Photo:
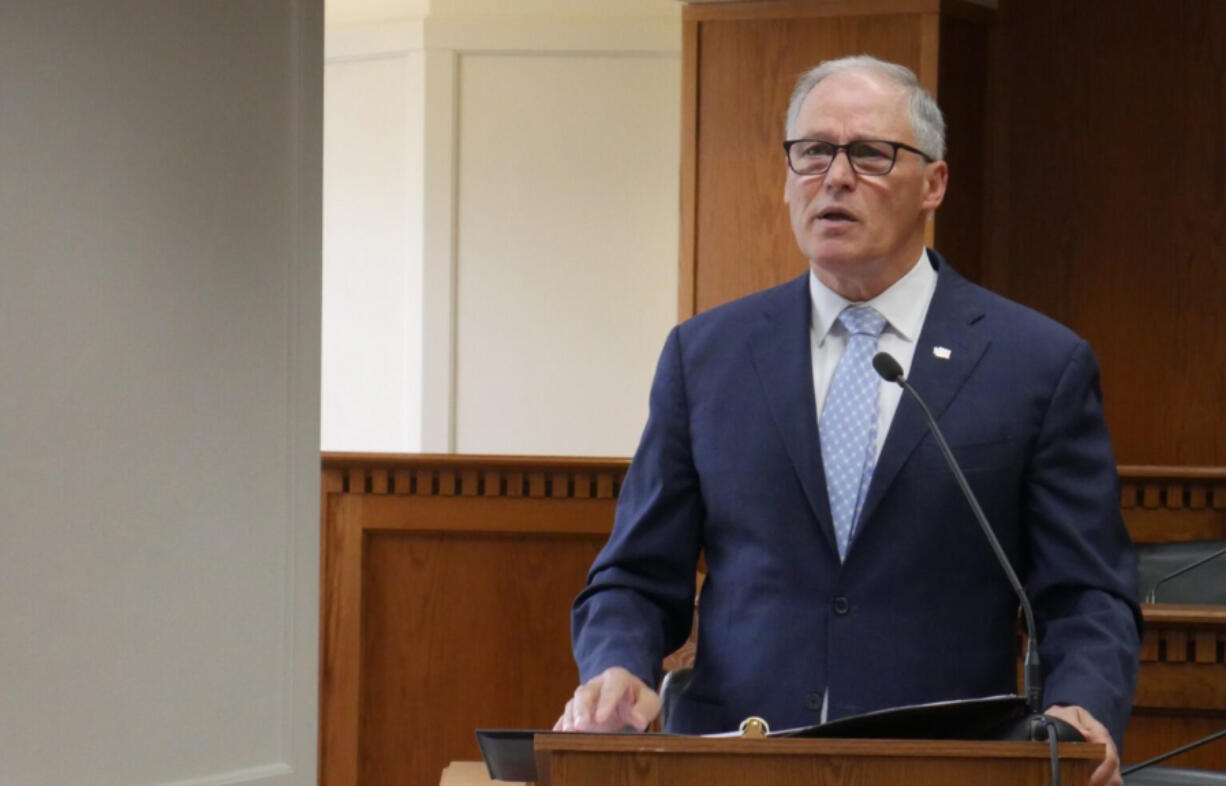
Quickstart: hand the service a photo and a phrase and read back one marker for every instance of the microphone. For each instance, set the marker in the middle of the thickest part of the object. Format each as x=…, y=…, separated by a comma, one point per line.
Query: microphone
x=888, y=369
x=1152, y=595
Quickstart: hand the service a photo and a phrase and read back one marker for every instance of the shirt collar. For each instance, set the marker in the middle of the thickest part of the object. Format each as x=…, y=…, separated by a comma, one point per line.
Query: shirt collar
x=903, y=304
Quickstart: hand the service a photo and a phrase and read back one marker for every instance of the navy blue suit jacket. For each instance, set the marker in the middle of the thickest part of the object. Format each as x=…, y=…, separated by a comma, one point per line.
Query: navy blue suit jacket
x=730, y=465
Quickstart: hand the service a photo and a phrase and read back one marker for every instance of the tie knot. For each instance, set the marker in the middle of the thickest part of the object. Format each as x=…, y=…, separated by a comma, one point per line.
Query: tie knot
x=862, y=320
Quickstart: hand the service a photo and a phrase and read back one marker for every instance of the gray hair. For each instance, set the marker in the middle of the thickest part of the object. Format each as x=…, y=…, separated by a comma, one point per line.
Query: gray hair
x=926, y=119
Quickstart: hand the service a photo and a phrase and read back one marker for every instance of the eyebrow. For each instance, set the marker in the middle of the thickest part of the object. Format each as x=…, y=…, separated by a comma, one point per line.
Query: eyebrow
x=857, y=138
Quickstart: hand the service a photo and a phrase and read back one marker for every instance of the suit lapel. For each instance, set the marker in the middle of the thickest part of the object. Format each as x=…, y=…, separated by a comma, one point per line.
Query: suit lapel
x=784, y=363
x=951, y=324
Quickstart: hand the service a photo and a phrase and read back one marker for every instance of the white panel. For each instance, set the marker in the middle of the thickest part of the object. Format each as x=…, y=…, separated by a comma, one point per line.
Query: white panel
x=373, y=41
x=588, y=35
x=159, y=231
x=567, y=248
x=347, y=12
x=372, y=352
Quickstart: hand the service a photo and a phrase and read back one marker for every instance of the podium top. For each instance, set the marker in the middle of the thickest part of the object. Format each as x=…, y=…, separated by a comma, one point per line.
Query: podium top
x=807, y=746
x=990, y=727
x=633, y=759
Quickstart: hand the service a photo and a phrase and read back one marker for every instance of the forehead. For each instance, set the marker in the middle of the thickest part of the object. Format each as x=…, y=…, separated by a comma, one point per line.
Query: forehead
x=854, y=105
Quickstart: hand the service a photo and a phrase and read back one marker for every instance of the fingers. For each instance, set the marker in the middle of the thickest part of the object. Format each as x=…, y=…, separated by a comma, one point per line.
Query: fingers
x=578, y=714
x=616, y=691
x=1108, y=771
x=563, y=719
x=645, y=709
x=580, y=711
x=610, y=701
x=583, y=704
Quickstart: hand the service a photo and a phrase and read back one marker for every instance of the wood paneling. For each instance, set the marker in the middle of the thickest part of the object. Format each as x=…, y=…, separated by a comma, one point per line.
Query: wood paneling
x=462, y=630
x=742, y=61
x=1162, y=504
x=1115, y=220
x=747, y=70
x=570, y=759
x=446, y=597
x=447, y=582
x=1100, y=198
x=802, y=9
x=689, y=167
x=1181, y=689
x=962, y=91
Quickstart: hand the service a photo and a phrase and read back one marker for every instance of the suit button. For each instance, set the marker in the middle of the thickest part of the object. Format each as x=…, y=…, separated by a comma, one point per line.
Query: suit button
x=841, y=606
x=813, y=701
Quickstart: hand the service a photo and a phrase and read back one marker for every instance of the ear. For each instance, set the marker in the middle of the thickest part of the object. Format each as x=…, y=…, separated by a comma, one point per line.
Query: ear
x=936, y=177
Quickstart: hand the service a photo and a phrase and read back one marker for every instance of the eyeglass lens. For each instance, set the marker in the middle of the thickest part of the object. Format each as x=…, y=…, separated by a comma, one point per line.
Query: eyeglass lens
x=816, y=156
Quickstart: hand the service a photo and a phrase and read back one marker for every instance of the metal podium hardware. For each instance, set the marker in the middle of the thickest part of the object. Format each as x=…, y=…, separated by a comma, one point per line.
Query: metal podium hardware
x=755, y=727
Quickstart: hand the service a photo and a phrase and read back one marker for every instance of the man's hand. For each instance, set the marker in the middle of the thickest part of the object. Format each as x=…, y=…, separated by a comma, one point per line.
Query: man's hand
x=1108, y=773
x=610, y=701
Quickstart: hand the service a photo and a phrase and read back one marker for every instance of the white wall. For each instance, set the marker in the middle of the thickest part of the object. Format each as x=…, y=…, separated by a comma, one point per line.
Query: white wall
x=372, y=303
x=159, y=318
x=546, y=287
x=356, y=12
x=566, y=273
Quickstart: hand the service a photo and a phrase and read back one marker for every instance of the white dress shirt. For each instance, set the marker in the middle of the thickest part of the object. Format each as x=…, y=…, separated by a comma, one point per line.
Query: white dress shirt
x=904, y=306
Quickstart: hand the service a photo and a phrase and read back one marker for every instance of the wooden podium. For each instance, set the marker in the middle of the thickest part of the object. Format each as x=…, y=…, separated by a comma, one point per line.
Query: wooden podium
x=630, y=759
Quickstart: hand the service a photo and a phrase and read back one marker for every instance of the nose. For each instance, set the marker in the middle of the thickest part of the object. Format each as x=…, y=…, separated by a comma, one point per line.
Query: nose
x=840, y=174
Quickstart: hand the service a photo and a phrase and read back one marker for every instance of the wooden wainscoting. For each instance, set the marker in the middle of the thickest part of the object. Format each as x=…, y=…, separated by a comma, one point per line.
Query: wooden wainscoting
x=1164, y=504
x=447, y=584
x=1181, y=690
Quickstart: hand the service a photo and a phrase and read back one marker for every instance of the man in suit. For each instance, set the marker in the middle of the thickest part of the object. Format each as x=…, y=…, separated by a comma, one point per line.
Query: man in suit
x=845, y=572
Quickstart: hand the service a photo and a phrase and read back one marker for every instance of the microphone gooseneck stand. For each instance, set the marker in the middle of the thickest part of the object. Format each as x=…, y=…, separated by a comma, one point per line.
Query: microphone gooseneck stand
x=1054, y=729
x=1217, y=735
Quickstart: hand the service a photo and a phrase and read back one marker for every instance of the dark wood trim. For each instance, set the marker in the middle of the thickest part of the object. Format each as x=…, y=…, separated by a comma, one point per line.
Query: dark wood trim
x=688, y=241
x=1146, y=472
x=469, y=461
x=1209, y=617
x=770, y=9
x=797, y=746
x=971, y=12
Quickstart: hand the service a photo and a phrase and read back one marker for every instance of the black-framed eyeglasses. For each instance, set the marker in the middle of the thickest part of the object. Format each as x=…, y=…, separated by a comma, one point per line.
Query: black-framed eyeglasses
x=866, y=156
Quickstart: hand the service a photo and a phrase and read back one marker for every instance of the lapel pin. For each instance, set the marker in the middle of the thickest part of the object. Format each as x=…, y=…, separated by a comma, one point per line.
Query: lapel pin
x=941, y=352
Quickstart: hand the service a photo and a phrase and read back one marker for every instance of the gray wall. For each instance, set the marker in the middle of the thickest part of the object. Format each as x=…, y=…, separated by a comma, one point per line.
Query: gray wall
x=159, y=390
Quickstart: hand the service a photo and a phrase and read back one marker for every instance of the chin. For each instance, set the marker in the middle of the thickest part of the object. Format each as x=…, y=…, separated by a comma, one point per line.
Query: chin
x=839, y=261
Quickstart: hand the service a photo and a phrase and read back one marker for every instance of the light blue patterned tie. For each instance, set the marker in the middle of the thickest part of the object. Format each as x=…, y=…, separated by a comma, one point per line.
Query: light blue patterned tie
x=848, y=425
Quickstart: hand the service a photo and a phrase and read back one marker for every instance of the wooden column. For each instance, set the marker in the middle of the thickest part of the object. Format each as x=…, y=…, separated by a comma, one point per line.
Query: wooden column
x=740, y=62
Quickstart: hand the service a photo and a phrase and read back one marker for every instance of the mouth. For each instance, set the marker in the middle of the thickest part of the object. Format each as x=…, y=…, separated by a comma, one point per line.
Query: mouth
x=835, y=215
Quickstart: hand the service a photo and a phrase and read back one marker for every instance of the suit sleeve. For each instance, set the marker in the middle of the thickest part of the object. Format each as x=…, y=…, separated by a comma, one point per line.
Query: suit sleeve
x=1081, y=573
x=638, y=604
